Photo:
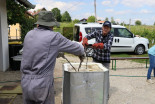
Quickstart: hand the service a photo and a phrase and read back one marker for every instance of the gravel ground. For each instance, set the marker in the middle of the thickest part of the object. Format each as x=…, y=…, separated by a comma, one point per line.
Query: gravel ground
x=123, y=90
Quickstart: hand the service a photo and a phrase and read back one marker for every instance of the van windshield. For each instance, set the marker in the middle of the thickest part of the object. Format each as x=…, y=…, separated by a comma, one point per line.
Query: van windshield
x=92, y=29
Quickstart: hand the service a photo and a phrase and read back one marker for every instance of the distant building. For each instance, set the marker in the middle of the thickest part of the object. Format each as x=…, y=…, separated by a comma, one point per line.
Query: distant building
x=33, y=13
x=100, y=21
x=14, y=31
x=83, y=20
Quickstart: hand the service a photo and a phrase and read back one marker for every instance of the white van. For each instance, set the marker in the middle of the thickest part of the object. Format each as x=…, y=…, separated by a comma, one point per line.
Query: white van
x=124, y=40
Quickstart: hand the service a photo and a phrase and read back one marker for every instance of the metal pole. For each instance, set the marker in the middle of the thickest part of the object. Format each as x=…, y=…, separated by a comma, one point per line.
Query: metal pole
x=95, y=10
x=16, y=34
x=146, y=63
x=115, y=65
x=112, y=65
x=9, y=30
x=129, y=23
x=69, y=63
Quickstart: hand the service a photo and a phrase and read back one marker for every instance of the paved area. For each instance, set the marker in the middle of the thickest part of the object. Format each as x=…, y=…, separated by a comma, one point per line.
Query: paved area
x=123, y=90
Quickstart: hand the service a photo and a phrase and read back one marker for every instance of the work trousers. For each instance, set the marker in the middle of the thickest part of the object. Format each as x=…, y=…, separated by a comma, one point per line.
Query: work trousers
x=37, y=90
x=152, y=66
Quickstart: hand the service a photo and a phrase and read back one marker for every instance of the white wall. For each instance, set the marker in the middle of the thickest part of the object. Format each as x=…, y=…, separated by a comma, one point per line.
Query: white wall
x=4, y=51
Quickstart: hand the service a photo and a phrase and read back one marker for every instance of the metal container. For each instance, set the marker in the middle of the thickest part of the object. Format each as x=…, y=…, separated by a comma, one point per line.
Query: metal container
x=86, y=87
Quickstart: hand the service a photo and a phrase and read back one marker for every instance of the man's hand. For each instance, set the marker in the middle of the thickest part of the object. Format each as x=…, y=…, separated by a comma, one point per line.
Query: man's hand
x=98, y=45
x=61, y=54
x=85, y=42
x=82, y=57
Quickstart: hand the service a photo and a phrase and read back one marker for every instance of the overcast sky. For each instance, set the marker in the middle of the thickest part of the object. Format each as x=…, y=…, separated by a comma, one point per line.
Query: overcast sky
x=121, y=10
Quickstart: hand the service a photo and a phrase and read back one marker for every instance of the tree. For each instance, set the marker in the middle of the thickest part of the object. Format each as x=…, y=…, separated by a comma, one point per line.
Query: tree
x=76, y=21
x=117, y=23
x=66, y=17
x=154, y=23
x=122, y=24
x=15, y=12
x=57, y=14
x=106, y=19
x=112, y=20
x=138, y=22
x=91, y=19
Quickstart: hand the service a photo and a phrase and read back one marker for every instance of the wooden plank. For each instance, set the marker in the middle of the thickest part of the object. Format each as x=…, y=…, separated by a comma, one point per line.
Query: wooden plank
x=11, y=89
x=7, y=98
x=128, y=58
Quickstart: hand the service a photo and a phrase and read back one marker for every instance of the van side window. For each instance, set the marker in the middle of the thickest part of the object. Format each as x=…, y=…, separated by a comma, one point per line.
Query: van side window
x=92, y=29
x=123, y=32
x=88, y=30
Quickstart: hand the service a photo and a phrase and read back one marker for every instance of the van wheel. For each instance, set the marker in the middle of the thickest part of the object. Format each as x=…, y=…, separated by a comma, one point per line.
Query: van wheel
x=89, y=52
x=139, y=50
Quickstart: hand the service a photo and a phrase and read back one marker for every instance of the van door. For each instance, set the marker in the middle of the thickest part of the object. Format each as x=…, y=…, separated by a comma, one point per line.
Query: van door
x=76, y=33
x=123, y=40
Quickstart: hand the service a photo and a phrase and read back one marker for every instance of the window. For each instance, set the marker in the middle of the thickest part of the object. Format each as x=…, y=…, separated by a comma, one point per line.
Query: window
x=92, y=29
x=123, y=32
x=88, y=30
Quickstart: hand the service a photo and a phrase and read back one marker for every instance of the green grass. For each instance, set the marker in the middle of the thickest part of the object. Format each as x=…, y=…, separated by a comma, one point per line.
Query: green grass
x=63, y=24
x=131, y=55
x=120, y=55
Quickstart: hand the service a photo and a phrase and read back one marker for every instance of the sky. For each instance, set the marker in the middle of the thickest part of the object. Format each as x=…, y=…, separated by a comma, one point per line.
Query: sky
x=121, y=10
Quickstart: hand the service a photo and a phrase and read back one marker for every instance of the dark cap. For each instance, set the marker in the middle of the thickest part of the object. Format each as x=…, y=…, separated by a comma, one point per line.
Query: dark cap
x=107, y=23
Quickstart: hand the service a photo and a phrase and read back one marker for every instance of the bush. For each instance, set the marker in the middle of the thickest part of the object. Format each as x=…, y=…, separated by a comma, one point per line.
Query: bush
x=76, y=21
x=91, y=19
x=138, y=22
x=26, y=25
x=68, y=32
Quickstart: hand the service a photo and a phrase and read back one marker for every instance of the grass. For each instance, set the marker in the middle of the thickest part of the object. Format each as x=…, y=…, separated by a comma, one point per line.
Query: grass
x=123, y=55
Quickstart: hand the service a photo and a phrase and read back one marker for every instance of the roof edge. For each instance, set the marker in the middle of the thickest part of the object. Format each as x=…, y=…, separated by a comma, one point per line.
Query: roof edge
x=26, y=3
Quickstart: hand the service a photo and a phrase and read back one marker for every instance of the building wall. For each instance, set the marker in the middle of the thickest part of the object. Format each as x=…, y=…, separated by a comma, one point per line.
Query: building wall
x=4, y=51
x=14, y=30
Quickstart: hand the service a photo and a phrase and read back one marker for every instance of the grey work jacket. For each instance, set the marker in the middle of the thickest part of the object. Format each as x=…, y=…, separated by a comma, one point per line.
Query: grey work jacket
x=41, y=48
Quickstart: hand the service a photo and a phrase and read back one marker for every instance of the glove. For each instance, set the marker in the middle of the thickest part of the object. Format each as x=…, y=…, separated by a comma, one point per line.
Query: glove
x=98, y=45
x=61, y=54
x=82, y=57
x=85, y=42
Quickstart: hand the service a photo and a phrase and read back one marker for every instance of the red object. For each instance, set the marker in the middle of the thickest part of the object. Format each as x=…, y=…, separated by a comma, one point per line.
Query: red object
x=85, y=41
x=98, y=45
x=80, y=36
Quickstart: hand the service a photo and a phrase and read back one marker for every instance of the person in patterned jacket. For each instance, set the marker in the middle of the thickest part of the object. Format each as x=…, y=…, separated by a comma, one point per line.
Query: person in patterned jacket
x=102, y=47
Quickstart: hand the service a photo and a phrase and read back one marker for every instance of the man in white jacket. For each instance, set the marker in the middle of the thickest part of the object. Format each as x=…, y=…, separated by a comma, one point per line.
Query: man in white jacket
x=41, y=48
